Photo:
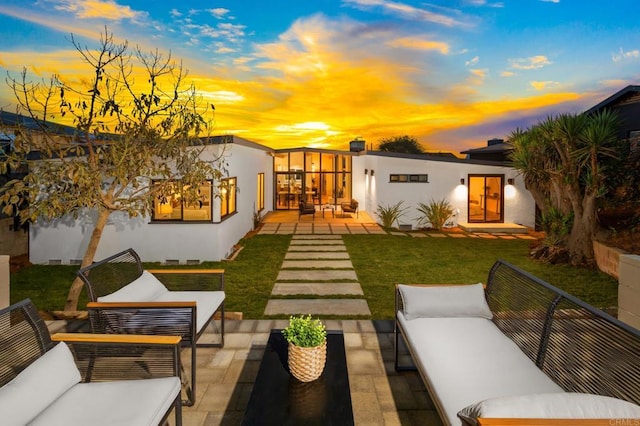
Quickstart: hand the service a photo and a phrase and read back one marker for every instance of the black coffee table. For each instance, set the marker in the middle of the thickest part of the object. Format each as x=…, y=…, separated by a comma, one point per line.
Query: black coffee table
x=278, y=398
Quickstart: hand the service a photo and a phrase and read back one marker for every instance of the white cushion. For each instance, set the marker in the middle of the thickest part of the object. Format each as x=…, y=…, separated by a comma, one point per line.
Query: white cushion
x=145, y=288
x=207, y=302
x=118, y=403
x=467, y=360
x=37, y=386
x=444, y=301
x=551, y=406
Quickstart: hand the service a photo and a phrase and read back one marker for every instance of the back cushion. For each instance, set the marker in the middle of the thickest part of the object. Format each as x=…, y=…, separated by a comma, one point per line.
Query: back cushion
x=37, y=386
x=146, y=288
x=444, y=301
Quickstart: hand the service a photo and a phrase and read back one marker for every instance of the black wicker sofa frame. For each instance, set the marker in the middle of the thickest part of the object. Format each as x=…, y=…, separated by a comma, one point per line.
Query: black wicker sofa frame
x=177, y=314
x=580, y=348
x=80, y=378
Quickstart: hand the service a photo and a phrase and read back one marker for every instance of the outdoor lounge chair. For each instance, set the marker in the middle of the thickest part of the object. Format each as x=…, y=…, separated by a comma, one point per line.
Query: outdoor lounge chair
x=125, y=299
x=304, y=208
x=84, y=379
x=350, y=207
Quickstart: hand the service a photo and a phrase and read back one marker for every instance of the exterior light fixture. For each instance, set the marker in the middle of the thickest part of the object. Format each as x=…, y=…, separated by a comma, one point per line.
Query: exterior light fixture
x=366, y=172
x=461, y=181
x=371, y=172
x=510, y=181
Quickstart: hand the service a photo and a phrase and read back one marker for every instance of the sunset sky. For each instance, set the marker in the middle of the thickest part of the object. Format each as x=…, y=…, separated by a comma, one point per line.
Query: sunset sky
x=314, y=73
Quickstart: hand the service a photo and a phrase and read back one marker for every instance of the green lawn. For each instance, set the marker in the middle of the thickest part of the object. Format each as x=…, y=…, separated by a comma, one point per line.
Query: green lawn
x=380, y=261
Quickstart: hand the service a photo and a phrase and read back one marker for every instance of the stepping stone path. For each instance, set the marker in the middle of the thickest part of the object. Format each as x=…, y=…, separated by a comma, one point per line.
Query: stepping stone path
x=316, y=266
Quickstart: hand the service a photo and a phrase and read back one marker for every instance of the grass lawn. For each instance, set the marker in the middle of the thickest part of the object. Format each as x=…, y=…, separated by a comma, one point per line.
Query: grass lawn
x=380, y=262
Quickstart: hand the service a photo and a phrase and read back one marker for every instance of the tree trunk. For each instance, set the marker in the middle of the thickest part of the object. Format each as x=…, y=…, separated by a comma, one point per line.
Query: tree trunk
x=580, y=243
x=89, y=254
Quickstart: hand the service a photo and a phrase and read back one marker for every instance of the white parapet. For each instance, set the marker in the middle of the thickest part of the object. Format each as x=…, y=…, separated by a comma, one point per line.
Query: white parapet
x=4, y=281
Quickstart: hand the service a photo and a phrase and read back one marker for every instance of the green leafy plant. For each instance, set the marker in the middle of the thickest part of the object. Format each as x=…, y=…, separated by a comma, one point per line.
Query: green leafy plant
x=434, y=214
x=556, y=225
x=390, y=214
x=304, y=331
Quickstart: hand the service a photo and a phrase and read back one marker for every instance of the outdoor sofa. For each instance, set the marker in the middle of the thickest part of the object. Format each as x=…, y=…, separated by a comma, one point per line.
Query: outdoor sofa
x=126, y=299
x=517, y=348
x=84, y=379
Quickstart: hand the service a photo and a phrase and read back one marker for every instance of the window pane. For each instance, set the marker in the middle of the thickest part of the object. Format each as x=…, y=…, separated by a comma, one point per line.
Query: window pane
x=200, y=209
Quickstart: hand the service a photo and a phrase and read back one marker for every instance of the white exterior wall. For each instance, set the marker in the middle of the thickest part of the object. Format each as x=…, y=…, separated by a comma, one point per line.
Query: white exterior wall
x=66, y=240
x=444, y=183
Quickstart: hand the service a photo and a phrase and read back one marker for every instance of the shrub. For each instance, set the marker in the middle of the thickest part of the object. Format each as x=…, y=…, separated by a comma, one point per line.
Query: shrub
x=435, y=214
x=390, y=214
x=305, y=332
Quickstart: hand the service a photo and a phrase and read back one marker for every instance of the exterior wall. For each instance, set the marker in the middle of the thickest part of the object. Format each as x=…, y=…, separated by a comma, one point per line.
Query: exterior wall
x=66, y=240
x=444, y=183
x=12, y=243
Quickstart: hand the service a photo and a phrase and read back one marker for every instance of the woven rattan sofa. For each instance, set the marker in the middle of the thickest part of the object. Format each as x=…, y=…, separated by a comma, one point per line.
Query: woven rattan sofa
x=84, y=379
x=126, y=299
x=517, y=348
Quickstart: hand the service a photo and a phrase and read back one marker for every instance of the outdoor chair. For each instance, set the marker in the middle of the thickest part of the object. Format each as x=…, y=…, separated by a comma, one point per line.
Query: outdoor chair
x=84, y=379
x=126, y=299
x=305, y=208
x=350, y=207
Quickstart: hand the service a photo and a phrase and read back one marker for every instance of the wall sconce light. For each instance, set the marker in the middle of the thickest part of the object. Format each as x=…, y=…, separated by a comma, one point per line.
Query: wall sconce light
x=371, y=172
x=510, y=181
x=461, y=181
x=366, y=172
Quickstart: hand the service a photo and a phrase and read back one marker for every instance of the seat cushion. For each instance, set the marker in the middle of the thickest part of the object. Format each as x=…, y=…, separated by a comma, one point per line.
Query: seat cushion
x=566, y=405
x=143, y=289
x=124, y=402
x=37, y=386
x=207, y=303
x=467, y=360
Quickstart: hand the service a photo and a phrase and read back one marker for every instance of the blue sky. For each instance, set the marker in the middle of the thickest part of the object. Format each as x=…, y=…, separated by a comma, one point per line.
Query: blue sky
x=319, y=73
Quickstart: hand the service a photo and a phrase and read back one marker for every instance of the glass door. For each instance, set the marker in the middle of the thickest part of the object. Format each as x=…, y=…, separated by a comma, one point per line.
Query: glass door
x=486, y=198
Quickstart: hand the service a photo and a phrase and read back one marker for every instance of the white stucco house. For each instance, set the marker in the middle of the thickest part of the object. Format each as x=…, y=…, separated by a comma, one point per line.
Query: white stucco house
x=261, y=179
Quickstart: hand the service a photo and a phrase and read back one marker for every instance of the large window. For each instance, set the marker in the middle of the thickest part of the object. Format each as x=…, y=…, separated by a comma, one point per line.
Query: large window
x=174, y=207
x=228, y=191
x=260, y=193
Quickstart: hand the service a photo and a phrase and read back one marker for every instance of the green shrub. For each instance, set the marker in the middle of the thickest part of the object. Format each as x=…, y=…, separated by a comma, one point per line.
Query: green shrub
x=305, y=332
x=556, y=225
x=390, y=214
x=434, y=214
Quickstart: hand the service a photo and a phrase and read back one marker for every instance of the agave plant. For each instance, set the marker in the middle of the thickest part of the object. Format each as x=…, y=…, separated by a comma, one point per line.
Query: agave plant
x=434, y=214
x=390, y=214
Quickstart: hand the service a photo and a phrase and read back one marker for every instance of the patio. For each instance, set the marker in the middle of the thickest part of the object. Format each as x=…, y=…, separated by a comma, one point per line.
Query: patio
x=380, y=395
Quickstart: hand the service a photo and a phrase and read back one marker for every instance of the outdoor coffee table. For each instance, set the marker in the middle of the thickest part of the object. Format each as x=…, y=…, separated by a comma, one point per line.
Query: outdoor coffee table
x=278, y=398
x=329, y=207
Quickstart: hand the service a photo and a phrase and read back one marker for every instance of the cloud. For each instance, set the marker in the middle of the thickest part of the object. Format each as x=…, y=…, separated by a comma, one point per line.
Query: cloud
x=531, y=63
x=409, y=12
x=472, y=62
x=98, y=9
x=622, y=55
x=419, y=44
x=219, y=12
x=485, y=3
x=542, y=85
x=507, y=74
x=550, y=1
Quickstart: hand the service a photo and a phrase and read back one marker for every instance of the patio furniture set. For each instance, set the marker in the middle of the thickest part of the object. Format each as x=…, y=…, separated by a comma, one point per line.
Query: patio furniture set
x=519, y=348
x=346, y=208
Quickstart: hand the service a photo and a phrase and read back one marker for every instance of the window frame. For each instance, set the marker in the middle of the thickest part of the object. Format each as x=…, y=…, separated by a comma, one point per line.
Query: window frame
x=156, y=215
x=225, y=200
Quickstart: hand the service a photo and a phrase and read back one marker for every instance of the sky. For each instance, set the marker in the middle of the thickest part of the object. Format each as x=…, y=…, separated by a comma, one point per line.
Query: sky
x=320, y=73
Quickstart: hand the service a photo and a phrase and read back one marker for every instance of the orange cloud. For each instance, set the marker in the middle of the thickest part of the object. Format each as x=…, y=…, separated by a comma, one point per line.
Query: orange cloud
x=420, y=44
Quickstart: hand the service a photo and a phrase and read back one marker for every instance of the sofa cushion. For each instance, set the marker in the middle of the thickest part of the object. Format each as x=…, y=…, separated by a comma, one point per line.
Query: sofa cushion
x=145, y=288
x=466, y=360
x=37, y=386
x=551, y=406
x=444, y=301
x=207, y=302
x=118, y=403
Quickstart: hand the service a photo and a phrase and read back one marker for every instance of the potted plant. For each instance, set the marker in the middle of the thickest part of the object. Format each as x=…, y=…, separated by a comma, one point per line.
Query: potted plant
x=307, y=339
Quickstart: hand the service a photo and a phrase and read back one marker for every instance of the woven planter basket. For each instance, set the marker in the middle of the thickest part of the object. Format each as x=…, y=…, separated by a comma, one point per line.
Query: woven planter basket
x=307, y=364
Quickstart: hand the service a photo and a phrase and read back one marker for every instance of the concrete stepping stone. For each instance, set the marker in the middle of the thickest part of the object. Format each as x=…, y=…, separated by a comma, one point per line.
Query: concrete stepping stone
x=311, y=248
x=326, y=264
x=317, y=307
x=315, y=241
x=316, y=289
x=316, y=237
x=316, y=275
x=316, y=255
